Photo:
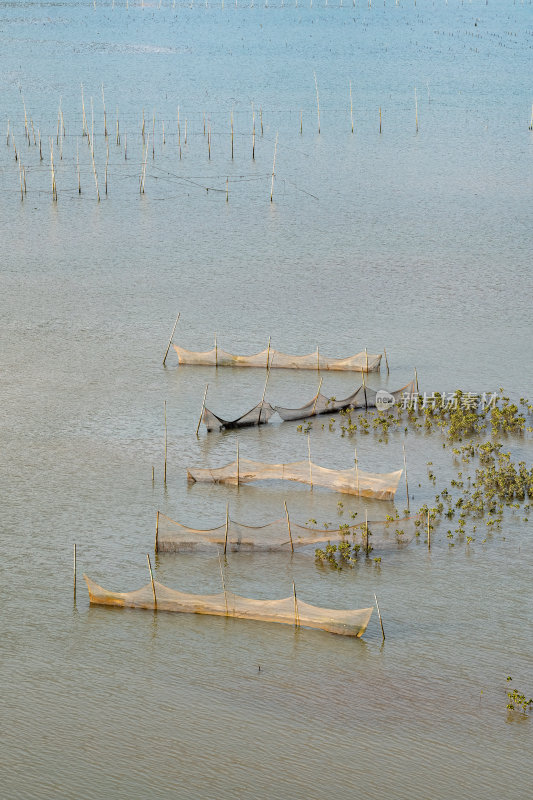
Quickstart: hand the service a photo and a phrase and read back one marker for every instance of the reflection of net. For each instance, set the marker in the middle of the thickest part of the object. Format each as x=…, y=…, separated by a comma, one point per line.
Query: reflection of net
x=258, y=415
x=382, y=486
x=363, y=397
x=172, y=537
x=361, y=362
x=226, y=604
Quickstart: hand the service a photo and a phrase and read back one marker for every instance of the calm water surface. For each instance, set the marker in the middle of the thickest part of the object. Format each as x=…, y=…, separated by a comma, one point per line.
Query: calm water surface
x=420, y=243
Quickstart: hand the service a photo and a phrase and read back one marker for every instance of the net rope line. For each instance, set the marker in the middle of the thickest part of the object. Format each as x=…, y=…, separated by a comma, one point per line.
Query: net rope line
x=260, y=414
x=174, y=537
x=346, y=622
x=269, y=357
x=381, y=486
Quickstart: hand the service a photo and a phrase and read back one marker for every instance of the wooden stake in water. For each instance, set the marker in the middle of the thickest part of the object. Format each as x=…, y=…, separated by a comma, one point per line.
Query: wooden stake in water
x=309, y=458
x=356, y=470
x=379, y=615
x=289, y=527
x=317, y=394
x=317, y=102
x=268, y=355
x=364, y=390
x=227, y=190
x=156, y=528
x=405, y=472
x=416, y=380
x=366, y=532
x=301, y=122
x=351, y=105
x=171, y=337
x=429, y=533
x=165, y=472
x=261, y=118
x=253, y=133
x=237, y=462
x=203, y=409
x=105, y=115
x=227, y=529
x=380, y=119
x=273, y=168
x=386, y=360
x=223, y=582
x=232, y=135
x=416, y=111
x=216, y=351
x=74, y=571
x=78, y=165
x=296, y=615
x=152, y=579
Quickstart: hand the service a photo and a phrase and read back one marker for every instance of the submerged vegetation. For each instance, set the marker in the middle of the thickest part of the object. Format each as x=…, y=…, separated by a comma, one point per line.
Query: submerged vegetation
x=486, y=481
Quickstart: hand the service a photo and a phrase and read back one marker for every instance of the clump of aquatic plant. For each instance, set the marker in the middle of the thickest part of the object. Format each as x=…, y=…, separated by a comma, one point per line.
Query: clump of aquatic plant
x=517, y=700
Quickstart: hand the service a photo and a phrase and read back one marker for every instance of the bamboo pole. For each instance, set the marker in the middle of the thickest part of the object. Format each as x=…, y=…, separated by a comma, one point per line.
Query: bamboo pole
x=171, y=337
x=152, y=580
x=429, y=533
x=366, y=531
x=261, y=118
x=74, y=571
x=317, y=102
x=165, y=472
x=156, y=531
x=416, y=111
x=227, y=528
x=216, y=351
x=379, y=615
x=309, y=457
x=405, y=472
x=416, y=380
x=366, y=354
x=356, y=470
x=317, y=359
x=268, y=354
x=380, y=119
x=386, y=360
x=296, y=615
x=237, y=462
x=232, y=135
x=78, y=165
x=316, y=396
x=202, y=411
x=153, y=473
x=301, y=122
x=289, y=527
x=253, y=133
x=7, y=139
x=364, y=390
x=264, y=392
x=227, y=190
x=273, y=168
x=351, y=105
x=223, y=582
x=105, y=115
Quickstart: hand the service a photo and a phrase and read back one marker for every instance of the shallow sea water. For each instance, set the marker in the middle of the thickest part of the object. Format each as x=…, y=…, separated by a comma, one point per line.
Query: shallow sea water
x=419, y=243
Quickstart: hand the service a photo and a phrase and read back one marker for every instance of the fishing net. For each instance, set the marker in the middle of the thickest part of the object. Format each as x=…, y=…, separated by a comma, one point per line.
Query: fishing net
x=363, y=397
x=381, y=486
x=281, y=535
x=361, y=362
x=289, y=610
x=258, y=415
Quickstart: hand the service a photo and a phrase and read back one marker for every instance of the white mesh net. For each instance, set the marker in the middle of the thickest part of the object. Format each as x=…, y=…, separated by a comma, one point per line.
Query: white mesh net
x=381, y=486
x=360, y=362
x=363, y=397
x=281, y=535
x=289, y=610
